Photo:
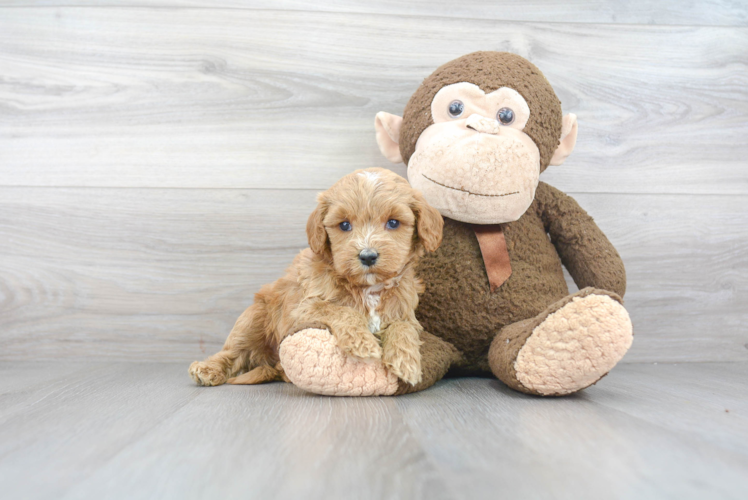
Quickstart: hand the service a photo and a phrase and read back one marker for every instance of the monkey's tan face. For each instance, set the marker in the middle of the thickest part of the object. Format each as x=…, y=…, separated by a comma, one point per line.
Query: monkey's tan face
x=475, y=164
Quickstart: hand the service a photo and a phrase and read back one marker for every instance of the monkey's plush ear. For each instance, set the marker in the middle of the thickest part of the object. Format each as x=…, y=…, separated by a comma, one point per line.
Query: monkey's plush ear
x=388, y=135
x=568, y=139
x=429, y=223
x=315, y=228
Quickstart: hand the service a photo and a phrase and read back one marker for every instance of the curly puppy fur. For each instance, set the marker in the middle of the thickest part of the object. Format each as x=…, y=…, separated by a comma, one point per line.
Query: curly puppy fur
x=329, y=286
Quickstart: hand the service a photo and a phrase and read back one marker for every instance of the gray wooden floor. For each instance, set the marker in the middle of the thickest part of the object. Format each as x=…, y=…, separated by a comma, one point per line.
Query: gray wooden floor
x=127, y=430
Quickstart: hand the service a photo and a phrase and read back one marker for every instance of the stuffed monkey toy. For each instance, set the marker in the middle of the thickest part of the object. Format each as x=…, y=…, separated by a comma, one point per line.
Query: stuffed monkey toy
x=475, y=137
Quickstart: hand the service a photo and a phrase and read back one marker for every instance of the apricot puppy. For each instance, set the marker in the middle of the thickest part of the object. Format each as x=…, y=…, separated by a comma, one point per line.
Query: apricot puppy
x=356, y=280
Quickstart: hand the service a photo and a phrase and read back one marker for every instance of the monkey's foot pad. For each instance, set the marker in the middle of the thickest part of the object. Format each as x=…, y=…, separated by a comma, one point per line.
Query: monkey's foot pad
x=575, y=346
x=312, y=360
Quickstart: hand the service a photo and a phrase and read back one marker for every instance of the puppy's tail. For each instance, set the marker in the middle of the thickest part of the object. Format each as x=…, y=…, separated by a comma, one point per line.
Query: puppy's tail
x=261, y=375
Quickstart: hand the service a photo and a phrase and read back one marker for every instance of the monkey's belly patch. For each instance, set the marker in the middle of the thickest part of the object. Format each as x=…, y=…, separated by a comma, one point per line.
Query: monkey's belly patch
x=575, y=346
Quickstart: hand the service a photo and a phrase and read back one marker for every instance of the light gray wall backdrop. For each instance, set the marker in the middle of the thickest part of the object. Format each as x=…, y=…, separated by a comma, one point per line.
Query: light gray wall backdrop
x=158, y=160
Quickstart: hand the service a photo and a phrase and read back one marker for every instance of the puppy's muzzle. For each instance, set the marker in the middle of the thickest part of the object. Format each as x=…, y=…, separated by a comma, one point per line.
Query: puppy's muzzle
x=368, y=257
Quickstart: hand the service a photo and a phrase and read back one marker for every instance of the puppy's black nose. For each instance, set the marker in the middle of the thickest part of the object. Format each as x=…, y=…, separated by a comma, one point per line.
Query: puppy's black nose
x=368, y=257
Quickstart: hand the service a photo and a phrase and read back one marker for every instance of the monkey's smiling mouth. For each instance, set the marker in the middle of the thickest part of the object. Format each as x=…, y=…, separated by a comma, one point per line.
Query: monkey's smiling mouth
x=466, y=191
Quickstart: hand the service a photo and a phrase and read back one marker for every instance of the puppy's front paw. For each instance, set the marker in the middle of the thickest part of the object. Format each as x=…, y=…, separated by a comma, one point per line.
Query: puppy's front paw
x=204, y=373
x=405, y=363
x=361, y=344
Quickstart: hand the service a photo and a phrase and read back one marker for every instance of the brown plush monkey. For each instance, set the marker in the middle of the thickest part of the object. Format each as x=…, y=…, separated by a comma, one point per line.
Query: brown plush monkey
x=476, y=135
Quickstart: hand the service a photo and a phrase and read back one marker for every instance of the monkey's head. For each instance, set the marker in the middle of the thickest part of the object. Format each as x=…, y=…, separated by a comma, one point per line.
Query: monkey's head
x=476, y=135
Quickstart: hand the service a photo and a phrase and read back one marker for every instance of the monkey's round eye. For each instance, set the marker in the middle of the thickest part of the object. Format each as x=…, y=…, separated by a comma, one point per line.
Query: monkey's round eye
x=505, y=116
x=455, y=108
x=345, y=226
x=393, y=224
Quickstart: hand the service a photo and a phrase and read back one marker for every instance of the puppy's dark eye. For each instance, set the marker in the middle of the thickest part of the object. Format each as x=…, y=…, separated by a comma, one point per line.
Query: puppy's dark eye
x=505, y=116
x=393, y=224
x=455, y=108
x=345, y=226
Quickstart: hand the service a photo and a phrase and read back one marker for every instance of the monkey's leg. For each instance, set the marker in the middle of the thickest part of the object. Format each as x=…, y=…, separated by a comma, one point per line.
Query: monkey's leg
x=312, y=361
x=568, y=347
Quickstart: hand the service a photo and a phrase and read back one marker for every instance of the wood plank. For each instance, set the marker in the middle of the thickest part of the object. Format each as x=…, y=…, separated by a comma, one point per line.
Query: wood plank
x=26, y=383
x=142, y=430
x=667, y=12
x=271, y=441
x=157, y=274
x=487, y=438
x=149, y=268
x=19, y=376
x=702, y=400
x=71, y=427
x=127, y=97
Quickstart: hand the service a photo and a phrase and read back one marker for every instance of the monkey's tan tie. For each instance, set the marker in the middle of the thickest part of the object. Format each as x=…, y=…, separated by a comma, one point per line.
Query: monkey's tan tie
x=495, y=255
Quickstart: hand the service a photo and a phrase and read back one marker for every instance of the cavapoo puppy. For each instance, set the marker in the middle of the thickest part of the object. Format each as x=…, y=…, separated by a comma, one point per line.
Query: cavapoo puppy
x=357, y=280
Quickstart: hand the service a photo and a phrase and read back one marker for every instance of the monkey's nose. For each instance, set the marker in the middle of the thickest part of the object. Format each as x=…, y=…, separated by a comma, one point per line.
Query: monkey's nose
x=482, y=124
x=368, y=256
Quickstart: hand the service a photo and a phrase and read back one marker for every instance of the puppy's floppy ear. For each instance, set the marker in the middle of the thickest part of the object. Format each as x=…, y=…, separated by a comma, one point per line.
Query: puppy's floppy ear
x=429, y=223
x=315, y=227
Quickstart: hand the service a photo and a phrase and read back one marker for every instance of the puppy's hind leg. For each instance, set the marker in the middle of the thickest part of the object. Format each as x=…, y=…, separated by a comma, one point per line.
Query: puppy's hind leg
x=236, y=353
x=260, y=375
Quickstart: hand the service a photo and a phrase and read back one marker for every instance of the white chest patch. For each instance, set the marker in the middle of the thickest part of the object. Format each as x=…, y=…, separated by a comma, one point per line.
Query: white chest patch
x=373, y=297
x=375, y=323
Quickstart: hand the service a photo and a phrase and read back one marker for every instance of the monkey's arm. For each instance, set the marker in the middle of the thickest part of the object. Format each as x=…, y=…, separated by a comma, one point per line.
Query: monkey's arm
x=585, y=251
